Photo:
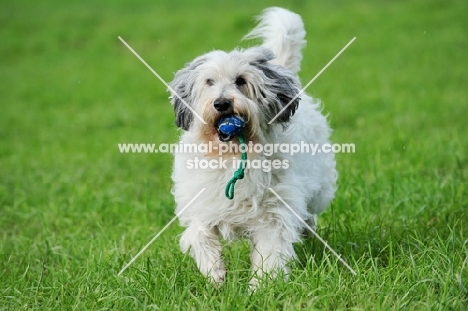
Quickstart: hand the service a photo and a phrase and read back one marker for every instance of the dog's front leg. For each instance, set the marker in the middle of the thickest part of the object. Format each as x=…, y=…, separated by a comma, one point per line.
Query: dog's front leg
x=204, y=246
x=272, y=249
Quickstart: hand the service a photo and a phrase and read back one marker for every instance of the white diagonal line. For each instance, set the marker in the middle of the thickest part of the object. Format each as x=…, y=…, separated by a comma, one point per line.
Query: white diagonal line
x=162, y=80
x=159, y=233
x=315, y=233
x=313, y=79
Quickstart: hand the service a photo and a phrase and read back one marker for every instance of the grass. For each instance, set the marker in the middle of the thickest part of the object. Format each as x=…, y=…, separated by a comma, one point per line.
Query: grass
x=73, y=210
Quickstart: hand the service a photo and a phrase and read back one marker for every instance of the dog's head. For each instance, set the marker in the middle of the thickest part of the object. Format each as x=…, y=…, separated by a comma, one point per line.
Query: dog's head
x=243, y=83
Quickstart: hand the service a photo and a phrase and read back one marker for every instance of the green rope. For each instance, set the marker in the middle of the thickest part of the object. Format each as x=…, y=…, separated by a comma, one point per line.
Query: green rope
x=239, y=173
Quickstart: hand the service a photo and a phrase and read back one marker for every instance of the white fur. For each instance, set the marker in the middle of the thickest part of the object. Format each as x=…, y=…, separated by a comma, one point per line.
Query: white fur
x=283, y=32
x=308, y=185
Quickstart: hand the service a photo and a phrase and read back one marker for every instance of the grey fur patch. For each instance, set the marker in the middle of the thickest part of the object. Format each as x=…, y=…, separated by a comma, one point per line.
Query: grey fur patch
x=183, y=84
x=282, y=84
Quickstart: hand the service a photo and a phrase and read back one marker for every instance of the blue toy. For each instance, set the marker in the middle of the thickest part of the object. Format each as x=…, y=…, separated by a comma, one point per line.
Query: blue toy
x=230, y=126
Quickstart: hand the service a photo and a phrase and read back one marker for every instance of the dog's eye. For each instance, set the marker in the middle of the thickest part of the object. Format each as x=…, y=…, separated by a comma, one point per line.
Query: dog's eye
x=240, y=81
x=209, y=82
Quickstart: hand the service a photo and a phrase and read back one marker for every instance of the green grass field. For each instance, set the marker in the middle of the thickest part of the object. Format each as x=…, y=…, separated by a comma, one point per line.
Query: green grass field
x=73, y=210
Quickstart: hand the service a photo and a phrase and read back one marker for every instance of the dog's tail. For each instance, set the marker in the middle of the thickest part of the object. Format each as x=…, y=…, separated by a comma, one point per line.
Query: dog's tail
x=283, y=32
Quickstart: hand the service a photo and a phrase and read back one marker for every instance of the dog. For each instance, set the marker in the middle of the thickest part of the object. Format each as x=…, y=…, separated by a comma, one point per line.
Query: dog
x=260, y=84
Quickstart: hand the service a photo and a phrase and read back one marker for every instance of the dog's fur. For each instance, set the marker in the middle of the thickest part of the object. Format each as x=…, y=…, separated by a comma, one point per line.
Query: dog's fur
x=268, y=83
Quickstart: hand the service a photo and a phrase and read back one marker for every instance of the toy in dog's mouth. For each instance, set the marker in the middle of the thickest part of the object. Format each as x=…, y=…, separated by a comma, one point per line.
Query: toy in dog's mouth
x=229, y=126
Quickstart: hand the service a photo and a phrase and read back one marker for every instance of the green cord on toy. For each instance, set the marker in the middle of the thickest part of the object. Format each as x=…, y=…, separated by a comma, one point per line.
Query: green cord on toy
x=228, y=127
x=239, y=173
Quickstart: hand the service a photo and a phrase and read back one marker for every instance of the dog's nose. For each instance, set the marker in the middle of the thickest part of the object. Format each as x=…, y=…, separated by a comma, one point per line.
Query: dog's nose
x=222, y=104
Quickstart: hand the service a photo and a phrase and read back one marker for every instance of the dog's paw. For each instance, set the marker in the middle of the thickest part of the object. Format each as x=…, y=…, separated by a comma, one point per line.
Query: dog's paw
x=217, y=275
x=259, y=277
x=253, y=284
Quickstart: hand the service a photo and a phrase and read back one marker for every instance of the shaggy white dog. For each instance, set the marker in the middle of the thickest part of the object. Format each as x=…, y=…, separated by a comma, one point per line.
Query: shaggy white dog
x=258, y=84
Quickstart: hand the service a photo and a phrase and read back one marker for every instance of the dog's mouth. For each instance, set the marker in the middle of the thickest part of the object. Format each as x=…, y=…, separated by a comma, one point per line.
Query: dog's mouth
x=228, y=126
x=224, y=137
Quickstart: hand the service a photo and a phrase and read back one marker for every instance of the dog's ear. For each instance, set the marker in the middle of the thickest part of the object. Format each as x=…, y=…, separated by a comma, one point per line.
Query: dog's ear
x=282, y=85
x=181, y=89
